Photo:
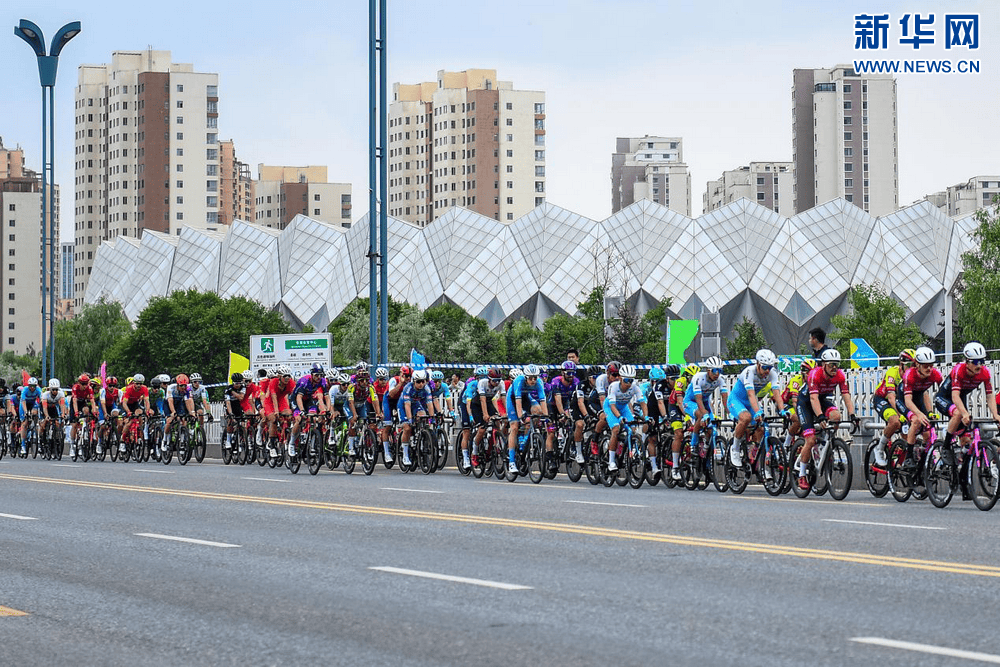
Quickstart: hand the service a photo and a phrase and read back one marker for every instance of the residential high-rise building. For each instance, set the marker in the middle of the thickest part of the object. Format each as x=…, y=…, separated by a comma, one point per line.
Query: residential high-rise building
x=769, y=184
x=236, y=186
x=65, y=270
x=844, y=139
x=147, y=152
x=281, y=193
x=465, y=140
x=958, y=200
x=650, y=168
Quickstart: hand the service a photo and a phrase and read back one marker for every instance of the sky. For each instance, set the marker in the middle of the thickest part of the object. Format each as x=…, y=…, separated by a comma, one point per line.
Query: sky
x=293, y=79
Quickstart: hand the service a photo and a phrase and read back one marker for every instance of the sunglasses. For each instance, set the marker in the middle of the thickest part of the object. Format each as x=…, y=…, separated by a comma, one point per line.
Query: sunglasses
x=420, y=382
x=975, y=362
x=494, y=381
x=766, y=367
x=626, y=380
x=287, y=377
x=716, y=370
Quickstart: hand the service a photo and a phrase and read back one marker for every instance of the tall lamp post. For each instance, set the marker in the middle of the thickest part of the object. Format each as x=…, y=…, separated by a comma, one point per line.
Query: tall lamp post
x=378, y=169
x=47, y=65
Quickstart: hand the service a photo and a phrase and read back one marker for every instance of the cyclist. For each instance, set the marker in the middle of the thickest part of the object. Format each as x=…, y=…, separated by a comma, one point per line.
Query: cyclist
x=235, y=396
x=414, y=399
x=439, y=392
x=658, y=391
x=566, y=402
x=745, y=402
x=916, y=399
x=4, y=393
x=53, y=404
x=81, y=405
x=484, y=401
x=468, y=400
x=135, y=400
x=309, y=396
x=617, y=410
x=199, y=396
x=179, y=401
x=698, y=397
x=953, y=394
x=675, y=414
x=390, y=401
x=816, y=404
x=275, y=402
x=884, y=403
x=525, y=397
x=14, y=408
x=31, y=396
x=381, y=385
x=792, y=389
x=108, y=406
x=360, y=397
x=339, y=406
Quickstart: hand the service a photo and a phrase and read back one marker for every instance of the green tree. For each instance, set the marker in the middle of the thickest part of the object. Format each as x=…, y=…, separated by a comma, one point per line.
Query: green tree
x=11, y=365
x=747, y=339
x=520, y=343
x=87, y=340
x=978, y=290
x=879, y=319
x=193, y=331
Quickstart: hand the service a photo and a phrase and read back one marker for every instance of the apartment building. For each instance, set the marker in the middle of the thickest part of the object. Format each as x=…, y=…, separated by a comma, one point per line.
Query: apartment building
x=466, y=140
x=769, y=184
x=844, y=139
x=146, y=152
x=650, y=168
x=236, y=186
x=281, y=193
x=976, y=193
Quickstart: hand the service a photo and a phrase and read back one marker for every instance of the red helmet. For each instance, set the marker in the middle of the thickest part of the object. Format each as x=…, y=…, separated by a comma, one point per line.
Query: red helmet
x=494, y=374
x=182, y=379
x=613, y=368
x=405, y=370
x=84, y=379
x=112, y=381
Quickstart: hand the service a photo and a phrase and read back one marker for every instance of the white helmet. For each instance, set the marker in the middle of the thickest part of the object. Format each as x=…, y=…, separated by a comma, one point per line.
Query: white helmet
x=138, y=378
x=195, y=377
x=164, y=378
x=925, y=355
x=32, y=382
x=247, y=376
x=627, y=371
x=420, y=375
x=284, y=369
x=515, y=372
x=53, y=383
x=343, y=377
x=766, y=358
x=332, y=374
x=831, y=355
x=974, y=351
x=712, y=362
x=381, y=373
x=532, y=371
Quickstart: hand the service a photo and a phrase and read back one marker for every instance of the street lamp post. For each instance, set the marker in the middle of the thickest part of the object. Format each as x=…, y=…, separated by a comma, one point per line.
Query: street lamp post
x=47, y=65
x=378, y=174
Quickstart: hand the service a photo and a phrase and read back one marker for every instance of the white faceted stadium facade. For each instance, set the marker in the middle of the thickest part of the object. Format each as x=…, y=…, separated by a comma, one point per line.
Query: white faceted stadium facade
x=787, y=274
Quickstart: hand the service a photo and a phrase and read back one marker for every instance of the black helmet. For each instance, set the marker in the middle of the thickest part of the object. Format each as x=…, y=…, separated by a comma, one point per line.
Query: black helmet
x=237, y=377
x=155, y=382
x=673, y=371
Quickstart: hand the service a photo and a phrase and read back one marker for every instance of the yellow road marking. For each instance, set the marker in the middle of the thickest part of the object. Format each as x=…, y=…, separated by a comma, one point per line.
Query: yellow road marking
x=7, y=611
x=594, y=531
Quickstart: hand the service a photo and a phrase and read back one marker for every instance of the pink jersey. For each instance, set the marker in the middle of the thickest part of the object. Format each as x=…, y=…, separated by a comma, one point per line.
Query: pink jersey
x=960, y=379
x=914, y=384
x=818, y=382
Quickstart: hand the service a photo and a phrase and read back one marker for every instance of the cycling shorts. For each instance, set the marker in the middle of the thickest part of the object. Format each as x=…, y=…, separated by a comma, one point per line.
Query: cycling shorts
x=675, y=417
x=389, y=406
x=53, y=411
x=180, y=408
x=806, y=416
x=309, y=406
x=282, y=405
x=512, y=415
x=415, y=409
x=359, y=410
x=477, y=412
x=27, y=405
x=101, y=415
x=738, y=405
x=884, y=409
x=235, y=407
x=624, y=410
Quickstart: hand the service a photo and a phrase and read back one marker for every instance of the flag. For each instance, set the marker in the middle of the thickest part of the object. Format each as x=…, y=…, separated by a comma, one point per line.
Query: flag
x=862, y=354
x=417, y=360
x=104, y=373
x=24, y=377
x=237, y=364
x=680, y=333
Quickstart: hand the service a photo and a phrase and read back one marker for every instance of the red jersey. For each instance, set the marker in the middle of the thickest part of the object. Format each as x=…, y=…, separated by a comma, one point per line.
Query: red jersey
x=818, y=382
x=135, y=393
x=380, y=387
x=83, y=392
x=250, y=392
x=111, y=396
x=275, y=389
x=960, y=379
x=914, y=384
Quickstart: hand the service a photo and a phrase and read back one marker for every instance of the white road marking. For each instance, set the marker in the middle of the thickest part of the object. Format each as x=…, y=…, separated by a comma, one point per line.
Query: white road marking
x=189, y=540
x=66, y=465
x=390, y=488
x=266, y=479
x=448, y=577
x=890, y=525
x=928, y=648
x=18, y=517
x=158, y=472
x=592, y=502
x=538, y=486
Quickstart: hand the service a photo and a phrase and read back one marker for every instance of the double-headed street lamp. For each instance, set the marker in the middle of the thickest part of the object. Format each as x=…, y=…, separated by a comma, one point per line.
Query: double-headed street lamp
x=47, y=65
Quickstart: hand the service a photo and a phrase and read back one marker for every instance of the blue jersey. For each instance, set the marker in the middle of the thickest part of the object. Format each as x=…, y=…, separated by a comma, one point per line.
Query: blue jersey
x=412, y=395
x=471, y=390
x=521, y=389
x=28, y=395
x=564, y=389
x=440, y=389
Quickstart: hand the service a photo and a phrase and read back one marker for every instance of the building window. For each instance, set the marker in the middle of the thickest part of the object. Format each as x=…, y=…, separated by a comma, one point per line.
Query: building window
x=848, y=182
x=760, y=196
x=315, y=211
x=847, y=136
x=180, y=200
x=180, y=216
x=847, y=87
x=180, y=87
x=211, y=91
x=760, y=180
x=849, y=198
x=539, y=156
x=180, y=104
x=180, y=120
x=510, y=200
x=180, y=184
x=848, y=166
x=848, y=152
x=847, y=105
x=316, y=197
x=847, y=120
x=180, y=167
x=211, y=138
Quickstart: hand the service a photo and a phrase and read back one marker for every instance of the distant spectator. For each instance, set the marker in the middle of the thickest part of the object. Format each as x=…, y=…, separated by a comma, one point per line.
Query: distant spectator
x=817, y=340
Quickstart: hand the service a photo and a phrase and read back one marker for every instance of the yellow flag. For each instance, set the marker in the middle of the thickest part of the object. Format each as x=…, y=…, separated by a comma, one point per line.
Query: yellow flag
x=237, y=364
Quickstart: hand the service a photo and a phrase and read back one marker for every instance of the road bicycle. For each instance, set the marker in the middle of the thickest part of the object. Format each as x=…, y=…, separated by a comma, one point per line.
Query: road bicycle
x=830, y=468
x=765, y=459
x=972, y=469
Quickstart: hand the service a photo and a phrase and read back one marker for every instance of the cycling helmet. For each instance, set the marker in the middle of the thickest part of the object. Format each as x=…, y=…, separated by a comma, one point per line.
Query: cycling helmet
x=164, y=378
x=924, y=355
x=627, y=372
x=84, y=379
x=419, y=375
x=657, y=374
x=515, y=372
x=691, y=369
x=261, y=373
x=766, y=358
x=362, y=366
x=155, y=382
x=907, y=356
x=195, y=377
x=32, y=382
x=494, y=374
x=613, y=367
x=139, y=378
x=237, y=377
x=113, y=381
x=316, y=368
x=531, y=370
x=713, y=362
x=405, y=370
x=182, y=379
x=672, y=371
x=247, y=376
x=480, y=372
x=831, y=355
x=568, y=365
x=128, y=380
x=96, y=382
x=595, y=371
x=53, y=383
x=807, y=365
x=381, y=373
x=974, y=351
x=284, y=369
x=344, y=378
x=362, y=373
x=437, y=376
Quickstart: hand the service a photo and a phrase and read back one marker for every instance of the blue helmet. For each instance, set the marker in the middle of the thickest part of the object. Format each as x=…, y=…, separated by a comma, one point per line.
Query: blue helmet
x=481, y=372
x=657, y=374
x=316, y=368
x=568, y=365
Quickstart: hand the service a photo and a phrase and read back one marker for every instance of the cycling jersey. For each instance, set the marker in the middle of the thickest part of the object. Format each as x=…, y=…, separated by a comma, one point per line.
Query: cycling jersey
x=359, y=396
x=381, y=387
x=82, y=392
x=483, y=388
x=250, y=393
x=199, y=395
x=29, y=396
x=959, y=379
x=236, y=397
x=913, y=384
x=109, y=399
x=521, y=389
x=565, y=390
x=762, y=386
x=338, y=398
x=134, y=394
x=156, y=398
x=418, y=400
x=818, y=382
x=794, y=386
x=439, y=390
x=701, y=385
x=891, y=381
x=53, y=405
x=620, y=396
x=308, y=389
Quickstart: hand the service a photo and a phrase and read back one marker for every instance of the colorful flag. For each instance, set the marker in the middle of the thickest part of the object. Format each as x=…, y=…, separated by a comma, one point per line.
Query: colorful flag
x=417, y=360
x=680, y=333
x=237, y=364
x=104, y=373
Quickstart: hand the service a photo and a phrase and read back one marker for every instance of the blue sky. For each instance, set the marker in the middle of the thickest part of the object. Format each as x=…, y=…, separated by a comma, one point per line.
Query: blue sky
x=293, y=79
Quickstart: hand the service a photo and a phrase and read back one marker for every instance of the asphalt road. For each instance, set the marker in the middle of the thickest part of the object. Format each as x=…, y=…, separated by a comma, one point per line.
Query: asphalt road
x=568, y=574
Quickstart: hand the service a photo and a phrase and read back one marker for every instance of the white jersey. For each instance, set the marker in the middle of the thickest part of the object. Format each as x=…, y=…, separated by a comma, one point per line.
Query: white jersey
x=601, y=384
x=484, y=389
x=621, y=396
x=700, y=384
x=761, y=385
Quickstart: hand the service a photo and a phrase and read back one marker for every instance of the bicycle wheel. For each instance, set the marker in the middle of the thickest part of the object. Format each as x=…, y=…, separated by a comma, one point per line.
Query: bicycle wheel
x=314, y=452
x=939, y=474
x=574, y=470
x=773, y=461
x=810, y=473
x=839, y=469
x=369, y=451
x=901, y=469
x=167, y=446
x=198, y=444
x=184, y=445
x=349, y=460
x=876, y=477
x=535, y=457
x=737, y=477
x=111, y=446
x=983, y=474
x=635, y=463
x=293, y=463
x=718, y=463
x=621, y=477
x=227, y=452
x=459, y=459
x=441, y=441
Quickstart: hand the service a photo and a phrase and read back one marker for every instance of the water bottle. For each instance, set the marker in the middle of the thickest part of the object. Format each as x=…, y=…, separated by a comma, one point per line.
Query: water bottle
x=521, y=439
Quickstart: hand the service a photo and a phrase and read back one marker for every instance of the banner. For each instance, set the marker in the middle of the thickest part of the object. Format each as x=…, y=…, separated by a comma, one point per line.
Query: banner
x=862, y=354
x=680, y=334
x=237, y=364
x=297, y=351
x=417, y=360
x=104, y=373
